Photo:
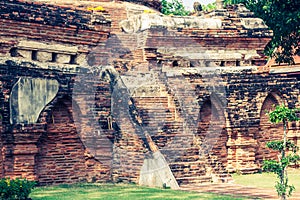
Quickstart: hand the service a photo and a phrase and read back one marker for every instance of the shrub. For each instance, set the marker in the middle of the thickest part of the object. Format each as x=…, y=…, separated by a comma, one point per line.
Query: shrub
x=15, y=189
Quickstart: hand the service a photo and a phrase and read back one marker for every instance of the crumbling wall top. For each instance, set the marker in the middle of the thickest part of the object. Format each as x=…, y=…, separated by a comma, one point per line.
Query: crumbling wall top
x=156, y=4
x=42, y=13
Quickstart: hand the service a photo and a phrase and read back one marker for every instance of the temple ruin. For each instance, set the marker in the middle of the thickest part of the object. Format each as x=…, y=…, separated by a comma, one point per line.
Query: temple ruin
x=115, y=91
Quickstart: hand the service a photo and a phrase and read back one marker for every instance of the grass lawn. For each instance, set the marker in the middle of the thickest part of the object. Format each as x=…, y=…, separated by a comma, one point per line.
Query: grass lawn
x=117, y=192
x=267, y=180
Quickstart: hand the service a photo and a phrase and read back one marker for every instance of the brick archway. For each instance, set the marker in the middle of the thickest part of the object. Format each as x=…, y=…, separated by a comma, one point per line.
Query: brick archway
x=267, y=131
x=213, y=134
x=61, y=153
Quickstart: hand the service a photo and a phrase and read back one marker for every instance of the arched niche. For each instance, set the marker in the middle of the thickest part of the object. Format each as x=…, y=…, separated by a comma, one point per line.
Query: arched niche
x=267, y=131
x=61, y=152
x=212, y=132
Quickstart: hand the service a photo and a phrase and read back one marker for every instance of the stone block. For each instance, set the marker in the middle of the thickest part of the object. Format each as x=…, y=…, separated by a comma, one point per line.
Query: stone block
x=44, y=56
x=26, y=54
x=63, y=58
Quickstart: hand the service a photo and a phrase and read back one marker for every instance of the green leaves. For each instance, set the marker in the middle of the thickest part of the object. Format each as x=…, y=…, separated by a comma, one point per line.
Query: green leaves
x=272, y=166
x=281, y=16
x=283, y=114
x=279, y=145
x=15, y=189
x=209, y=7
x=174, y=7
x=228, y=2
x=284, y=188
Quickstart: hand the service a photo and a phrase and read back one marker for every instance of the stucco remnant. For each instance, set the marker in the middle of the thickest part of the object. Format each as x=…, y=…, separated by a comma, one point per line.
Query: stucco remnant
x=156, y=172
x=28, y=98
x=145, y=21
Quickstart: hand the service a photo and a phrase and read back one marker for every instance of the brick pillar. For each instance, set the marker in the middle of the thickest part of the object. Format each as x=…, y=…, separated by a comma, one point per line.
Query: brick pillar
x=19, y=153
x=241, y=150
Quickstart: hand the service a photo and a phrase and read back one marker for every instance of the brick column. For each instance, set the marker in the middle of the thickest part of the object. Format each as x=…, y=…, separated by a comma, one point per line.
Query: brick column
x=241, y=150
x=19, y=152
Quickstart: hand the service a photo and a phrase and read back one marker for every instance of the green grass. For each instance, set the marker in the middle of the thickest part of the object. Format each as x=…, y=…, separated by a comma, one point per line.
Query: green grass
x=117, y=192
x=267, y=180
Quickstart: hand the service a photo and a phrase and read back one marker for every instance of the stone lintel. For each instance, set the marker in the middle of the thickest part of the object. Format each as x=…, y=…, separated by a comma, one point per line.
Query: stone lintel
x=53, y=48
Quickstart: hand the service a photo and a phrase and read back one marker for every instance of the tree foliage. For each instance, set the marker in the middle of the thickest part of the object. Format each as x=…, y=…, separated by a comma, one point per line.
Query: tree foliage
x=229, y=2
x=212, y=6
x=282, y=114
x=174, y=7
x=209, y=7
x=283, y=17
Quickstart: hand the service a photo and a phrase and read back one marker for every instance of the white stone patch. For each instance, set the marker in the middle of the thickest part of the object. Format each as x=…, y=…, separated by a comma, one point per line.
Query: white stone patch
x=28, y=98
x=145, y=21
x=253, y=23
x=58, y=48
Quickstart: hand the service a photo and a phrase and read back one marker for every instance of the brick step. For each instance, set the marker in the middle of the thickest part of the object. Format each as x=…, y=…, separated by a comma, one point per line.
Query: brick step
x=249, y=171
x=180, y=148
x=187, y=171
x=155, y=117
x=179, y=151
x=187, y=163
x=224, y=178
x=153, y=99
x=194, y=180
x=173, y=132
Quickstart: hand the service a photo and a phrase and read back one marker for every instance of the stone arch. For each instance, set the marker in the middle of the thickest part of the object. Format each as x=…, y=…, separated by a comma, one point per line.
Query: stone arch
x=62, y=157
x=267, y=131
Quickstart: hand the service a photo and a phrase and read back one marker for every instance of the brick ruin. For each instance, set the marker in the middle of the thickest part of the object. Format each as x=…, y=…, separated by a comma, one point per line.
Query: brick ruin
x=82, y=89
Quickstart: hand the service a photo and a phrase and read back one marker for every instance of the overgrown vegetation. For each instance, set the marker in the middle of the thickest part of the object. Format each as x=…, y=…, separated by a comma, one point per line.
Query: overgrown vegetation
x=174, y=7
x=279, y=167
x=15, y=189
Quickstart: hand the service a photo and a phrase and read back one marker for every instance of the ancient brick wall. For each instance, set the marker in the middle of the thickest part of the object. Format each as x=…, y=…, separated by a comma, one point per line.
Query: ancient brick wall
x=44, y=14
x=55, y=150
x=249, y=95
x=44, y=33
x=204, y=124
x=39, y=22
